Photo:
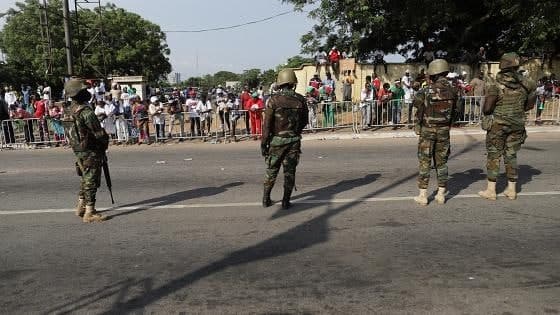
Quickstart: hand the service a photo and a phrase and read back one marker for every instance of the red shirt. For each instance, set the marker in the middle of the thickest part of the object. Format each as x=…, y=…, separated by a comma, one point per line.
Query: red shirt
x=314, y=83
x=384, y=95
x=377, y=84
x=334, y=55
x=40, y=109
x=253, y=101
x=245, y=96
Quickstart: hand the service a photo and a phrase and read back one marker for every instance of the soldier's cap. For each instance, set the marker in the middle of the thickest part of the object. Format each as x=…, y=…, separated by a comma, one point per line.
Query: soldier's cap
x=73, y=86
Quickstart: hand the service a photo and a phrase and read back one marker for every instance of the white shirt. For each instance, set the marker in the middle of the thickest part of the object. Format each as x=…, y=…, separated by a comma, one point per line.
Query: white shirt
x=193, y=107
x=100, y=111
x=10, y=97
x=366, y=96
x=321, y=57
x=406, y=81
x=92, y=92
x=109, y=109
x=125, y=97
x=155, y=111
x=99, y=93
x=47, y=93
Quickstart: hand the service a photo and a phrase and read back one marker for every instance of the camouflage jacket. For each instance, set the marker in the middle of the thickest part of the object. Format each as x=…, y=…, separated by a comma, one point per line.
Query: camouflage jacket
x=83, y=129
x=436, y=103
x=285, y=116
x=512, y=91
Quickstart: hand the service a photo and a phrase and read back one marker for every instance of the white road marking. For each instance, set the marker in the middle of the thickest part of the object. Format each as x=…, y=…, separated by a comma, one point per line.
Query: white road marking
x=258, y=204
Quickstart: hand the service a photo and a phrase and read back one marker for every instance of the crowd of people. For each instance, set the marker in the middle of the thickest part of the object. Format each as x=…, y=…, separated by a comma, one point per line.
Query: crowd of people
x=128, y=118
x=122, y=113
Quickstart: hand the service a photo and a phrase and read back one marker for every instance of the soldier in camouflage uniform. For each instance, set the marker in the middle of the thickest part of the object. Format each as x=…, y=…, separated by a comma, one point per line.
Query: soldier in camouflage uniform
x=435, y=107
x=89, y=142
x=508, y=97
x=285, y=116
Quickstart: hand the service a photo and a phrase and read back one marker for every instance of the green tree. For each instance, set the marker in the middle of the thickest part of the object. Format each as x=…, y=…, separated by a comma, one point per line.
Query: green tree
x=268, y=77
x=131, y=44
x=457, y=26
x=221, y=77
x=295, y=62
x=251, y=78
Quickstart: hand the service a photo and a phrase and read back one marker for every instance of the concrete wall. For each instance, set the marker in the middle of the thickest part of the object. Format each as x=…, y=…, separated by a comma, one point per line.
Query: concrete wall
x=396, y=71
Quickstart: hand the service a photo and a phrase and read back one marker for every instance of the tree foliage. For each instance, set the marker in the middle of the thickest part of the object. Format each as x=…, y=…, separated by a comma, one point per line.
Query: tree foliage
x=295, y=62
x=456, y=26
x=130, y=45
x=253, y=78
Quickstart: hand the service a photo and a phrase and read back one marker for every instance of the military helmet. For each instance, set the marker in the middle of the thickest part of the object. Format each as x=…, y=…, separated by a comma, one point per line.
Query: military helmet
x=438, y=66
x=509, y=60
x=73, y=86
x=286, y=76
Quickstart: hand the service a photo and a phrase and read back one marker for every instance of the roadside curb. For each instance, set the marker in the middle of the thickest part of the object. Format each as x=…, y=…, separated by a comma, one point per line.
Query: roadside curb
x=411, y=134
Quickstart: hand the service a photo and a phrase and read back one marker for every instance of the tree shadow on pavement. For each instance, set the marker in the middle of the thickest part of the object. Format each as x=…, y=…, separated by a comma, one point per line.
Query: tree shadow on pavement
x=173, y=198
x=525, y=174
x=118, y=289
x=302, y=236
x=460, y=181
x=324, y=194
x=307, y=234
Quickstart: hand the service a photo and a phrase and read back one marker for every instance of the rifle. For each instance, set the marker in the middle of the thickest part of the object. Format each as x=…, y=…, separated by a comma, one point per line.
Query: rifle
x=107, y=177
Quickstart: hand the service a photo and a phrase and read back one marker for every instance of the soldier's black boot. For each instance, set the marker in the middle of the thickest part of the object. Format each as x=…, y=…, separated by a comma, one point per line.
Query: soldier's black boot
x=286, y=204
x=266, y=202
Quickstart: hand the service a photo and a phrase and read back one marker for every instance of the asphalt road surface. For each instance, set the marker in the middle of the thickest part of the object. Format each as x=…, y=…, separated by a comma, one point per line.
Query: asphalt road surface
x=188, y=235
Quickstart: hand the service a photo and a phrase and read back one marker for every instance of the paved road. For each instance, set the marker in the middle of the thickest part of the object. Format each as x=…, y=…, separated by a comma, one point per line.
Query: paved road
x=188, y=235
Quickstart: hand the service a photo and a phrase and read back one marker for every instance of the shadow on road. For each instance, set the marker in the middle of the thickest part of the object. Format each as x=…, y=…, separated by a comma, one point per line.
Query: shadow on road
x=304, y=235
x=173, y=198
x=325, y=193
x=525, y=175
x=530, y=148
x=463, y=180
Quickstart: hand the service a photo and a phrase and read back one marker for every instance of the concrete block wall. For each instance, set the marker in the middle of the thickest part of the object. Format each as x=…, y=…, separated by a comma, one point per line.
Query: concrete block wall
x=396, y=71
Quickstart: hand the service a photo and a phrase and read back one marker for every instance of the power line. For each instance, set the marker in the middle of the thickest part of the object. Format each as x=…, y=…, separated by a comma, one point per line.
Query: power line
x=230, y=27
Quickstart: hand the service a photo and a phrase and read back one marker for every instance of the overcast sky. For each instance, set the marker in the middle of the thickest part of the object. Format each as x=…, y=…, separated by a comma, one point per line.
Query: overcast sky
x=263, y=45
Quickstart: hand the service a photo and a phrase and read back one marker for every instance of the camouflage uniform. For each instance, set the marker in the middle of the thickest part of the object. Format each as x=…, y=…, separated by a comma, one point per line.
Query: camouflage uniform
x=89, y=142
x=507, y=131
x=439, y=100
x=286, y=115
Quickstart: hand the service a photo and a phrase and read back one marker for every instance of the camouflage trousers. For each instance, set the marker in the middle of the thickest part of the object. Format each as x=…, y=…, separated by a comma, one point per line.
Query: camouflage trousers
x=89, y=164
x=286, y=155
x=503, y=140
x=433, y=144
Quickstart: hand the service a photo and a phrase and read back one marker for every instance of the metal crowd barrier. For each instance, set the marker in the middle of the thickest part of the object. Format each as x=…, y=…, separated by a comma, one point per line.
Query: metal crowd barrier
x=217, y=126
x=234, y=125
x=469, y=110
x=19, y=133
x=549, y=114
x=378, y=114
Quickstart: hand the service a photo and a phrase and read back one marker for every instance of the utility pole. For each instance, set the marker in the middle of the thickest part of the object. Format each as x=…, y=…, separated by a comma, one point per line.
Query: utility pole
x=68, y=37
